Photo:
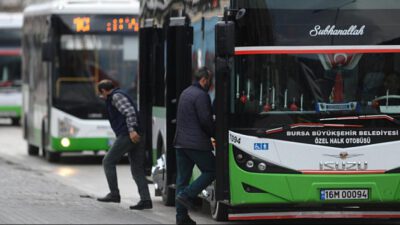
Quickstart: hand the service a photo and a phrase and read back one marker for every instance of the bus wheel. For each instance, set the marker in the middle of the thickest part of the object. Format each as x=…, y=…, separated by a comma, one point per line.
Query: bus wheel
x=15, y=121
x=52, y=156
x=219, y=211
x=33, y=150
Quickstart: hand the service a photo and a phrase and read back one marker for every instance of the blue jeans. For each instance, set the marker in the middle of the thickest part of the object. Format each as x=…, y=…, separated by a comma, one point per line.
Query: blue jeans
x=185, y=160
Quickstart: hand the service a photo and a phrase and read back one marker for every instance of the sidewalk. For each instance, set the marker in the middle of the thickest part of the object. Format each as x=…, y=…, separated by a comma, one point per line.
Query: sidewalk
x=27, y=196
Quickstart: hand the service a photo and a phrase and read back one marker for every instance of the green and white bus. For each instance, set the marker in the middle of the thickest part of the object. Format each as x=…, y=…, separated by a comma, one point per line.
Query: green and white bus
x=307, y=103
x=68, y=46
x=10, y=66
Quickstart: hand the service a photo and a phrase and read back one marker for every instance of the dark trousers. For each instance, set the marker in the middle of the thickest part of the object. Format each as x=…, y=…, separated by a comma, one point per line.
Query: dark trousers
x=185, y=160
x=136, y=156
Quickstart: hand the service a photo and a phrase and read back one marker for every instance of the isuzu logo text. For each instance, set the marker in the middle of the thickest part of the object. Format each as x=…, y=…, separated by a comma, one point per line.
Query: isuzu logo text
x=331, y=30
x=343, y=166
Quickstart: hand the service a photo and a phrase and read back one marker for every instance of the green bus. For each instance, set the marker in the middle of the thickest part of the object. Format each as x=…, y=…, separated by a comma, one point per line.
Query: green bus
x=306, y=100
x=10, y=66
x=68, y=46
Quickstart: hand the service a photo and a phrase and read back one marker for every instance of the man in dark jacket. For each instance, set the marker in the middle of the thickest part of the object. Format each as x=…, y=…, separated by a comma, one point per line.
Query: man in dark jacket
x=123, y=117
x=194, y=130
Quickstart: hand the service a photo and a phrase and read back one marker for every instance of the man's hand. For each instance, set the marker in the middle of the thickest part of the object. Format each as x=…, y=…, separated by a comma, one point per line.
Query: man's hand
x=134, y=136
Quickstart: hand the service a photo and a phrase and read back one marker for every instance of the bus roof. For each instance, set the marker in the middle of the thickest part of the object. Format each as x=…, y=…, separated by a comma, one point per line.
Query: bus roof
x=84, y=7
x=10, y=20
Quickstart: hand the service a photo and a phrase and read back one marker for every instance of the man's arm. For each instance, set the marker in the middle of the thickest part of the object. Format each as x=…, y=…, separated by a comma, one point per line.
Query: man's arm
x=125, y=107
x=204, y=113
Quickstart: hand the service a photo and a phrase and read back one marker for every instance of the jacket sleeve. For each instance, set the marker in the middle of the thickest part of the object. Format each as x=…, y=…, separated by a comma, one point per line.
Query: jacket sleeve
x=126, y=108
x=204, y=114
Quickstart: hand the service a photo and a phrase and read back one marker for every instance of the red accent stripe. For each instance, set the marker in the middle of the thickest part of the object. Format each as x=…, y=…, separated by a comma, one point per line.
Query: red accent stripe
x=324, y=125
x=313, y=51
x=342, y=172
x=11, y=52
x=372, y=117
x=319, y=216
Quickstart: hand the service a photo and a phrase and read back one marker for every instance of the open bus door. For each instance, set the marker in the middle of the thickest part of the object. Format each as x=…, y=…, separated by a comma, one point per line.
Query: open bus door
x=150, y=50
x=168, y=65
x=178, y=77
x=224, y=49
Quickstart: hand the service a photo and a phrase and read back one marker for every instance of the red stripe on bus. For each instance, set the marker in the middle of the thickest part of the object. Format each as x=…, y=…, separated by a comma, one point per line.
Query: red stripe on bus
x=312, y=51
x=342, y=172
x=15, y=52
x=319, y=216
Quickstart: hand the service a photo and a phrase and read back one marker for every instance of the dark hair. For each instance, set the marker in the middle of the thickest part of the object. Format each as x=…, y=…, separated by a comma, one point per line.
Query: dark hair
x=202, y=72
x=106, y=85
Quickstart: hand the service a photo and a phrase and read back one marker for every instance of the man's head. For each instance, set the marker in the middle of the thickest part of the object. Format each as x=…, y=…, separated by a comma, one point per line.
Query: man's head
x=203, y=76
x=105, y=87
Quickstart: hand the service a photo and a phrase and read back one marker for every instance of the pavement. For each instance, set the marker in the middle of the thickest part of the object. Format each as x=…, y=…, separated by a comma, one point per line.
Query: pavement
x=27, y=196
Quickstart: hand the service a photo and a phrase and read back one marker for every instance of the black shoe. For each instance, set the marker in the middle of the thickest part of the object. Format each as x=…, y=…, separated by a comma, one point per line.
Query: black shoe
x=185, y=201
x=185, y=220
x=110, y=198
x=142, y=205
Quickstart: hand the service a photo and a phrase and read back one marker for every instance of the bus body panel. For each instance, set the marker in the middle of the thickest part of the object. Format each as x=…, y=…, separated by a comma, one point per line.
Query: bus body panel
x=82, y=134
x=306, y=189
x=11, y=102
x=159, y=130
x=315, y=157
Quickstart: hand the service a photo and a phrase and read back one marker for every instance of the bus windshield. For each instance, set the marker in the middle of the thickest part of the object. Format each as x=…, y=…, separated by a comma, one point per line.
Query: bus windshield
x=305, y=63
x=308, y=87
x=86, y=59
x=10, y=59
x=10, y=71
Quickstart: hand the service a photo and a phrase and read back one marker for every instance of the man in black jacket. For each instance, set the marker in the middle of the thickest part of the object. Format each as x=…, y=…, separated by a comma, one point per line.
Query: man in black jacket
x=124, y=121
x=194, y=130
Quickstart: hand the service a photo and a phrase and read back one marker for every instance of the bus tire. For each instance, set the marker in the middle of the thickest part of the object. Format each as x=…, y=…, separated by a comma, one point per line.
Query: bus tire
x=33, y=150
x=15, y=121
x=219, y=211
x=52, y=156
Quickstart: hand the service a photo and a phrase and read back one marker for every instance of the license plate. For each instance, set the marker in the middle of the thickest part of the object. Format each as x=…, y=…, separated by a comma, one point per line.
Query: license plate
x=344, y=194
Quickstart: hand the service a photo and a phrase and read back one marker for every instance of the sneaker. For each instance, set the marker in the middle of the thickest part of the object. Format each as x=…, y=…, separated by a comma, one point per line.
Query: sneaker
x=185, y=220
x=110, y=198
x=142, y=205
x=185, y=201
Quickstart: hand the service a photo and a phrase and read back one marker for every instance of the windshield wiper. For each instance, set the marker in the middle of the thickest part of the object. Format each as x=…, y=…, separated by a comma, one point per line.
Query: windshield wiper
x=368, y=117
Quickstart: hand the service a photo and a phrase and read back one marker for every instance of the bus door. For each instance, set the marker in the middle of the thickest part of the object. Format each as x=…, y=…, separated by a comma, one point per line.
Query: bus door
x=151, y=55
x=178, y=77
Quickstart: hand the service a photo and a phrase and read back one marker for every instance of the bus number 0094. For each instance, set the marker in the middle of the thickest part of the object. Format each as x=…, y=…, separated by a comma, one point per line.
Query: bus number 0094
x=234, y=139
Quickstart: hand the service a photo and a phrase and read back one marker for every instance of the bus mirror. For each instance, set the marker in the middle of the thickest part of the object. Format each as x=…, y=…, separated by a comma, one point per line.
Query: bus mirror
x=225, y=38
x=47, y=52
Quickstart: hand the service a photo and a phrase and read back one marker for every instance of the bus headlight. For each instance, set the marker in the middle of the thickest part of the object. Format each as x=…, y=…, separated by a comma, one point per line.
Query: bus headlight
x=254, y=164
x=250, y=164
x=239, y=157
x=65, y=142
x=66, y=129
x=262, y=166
